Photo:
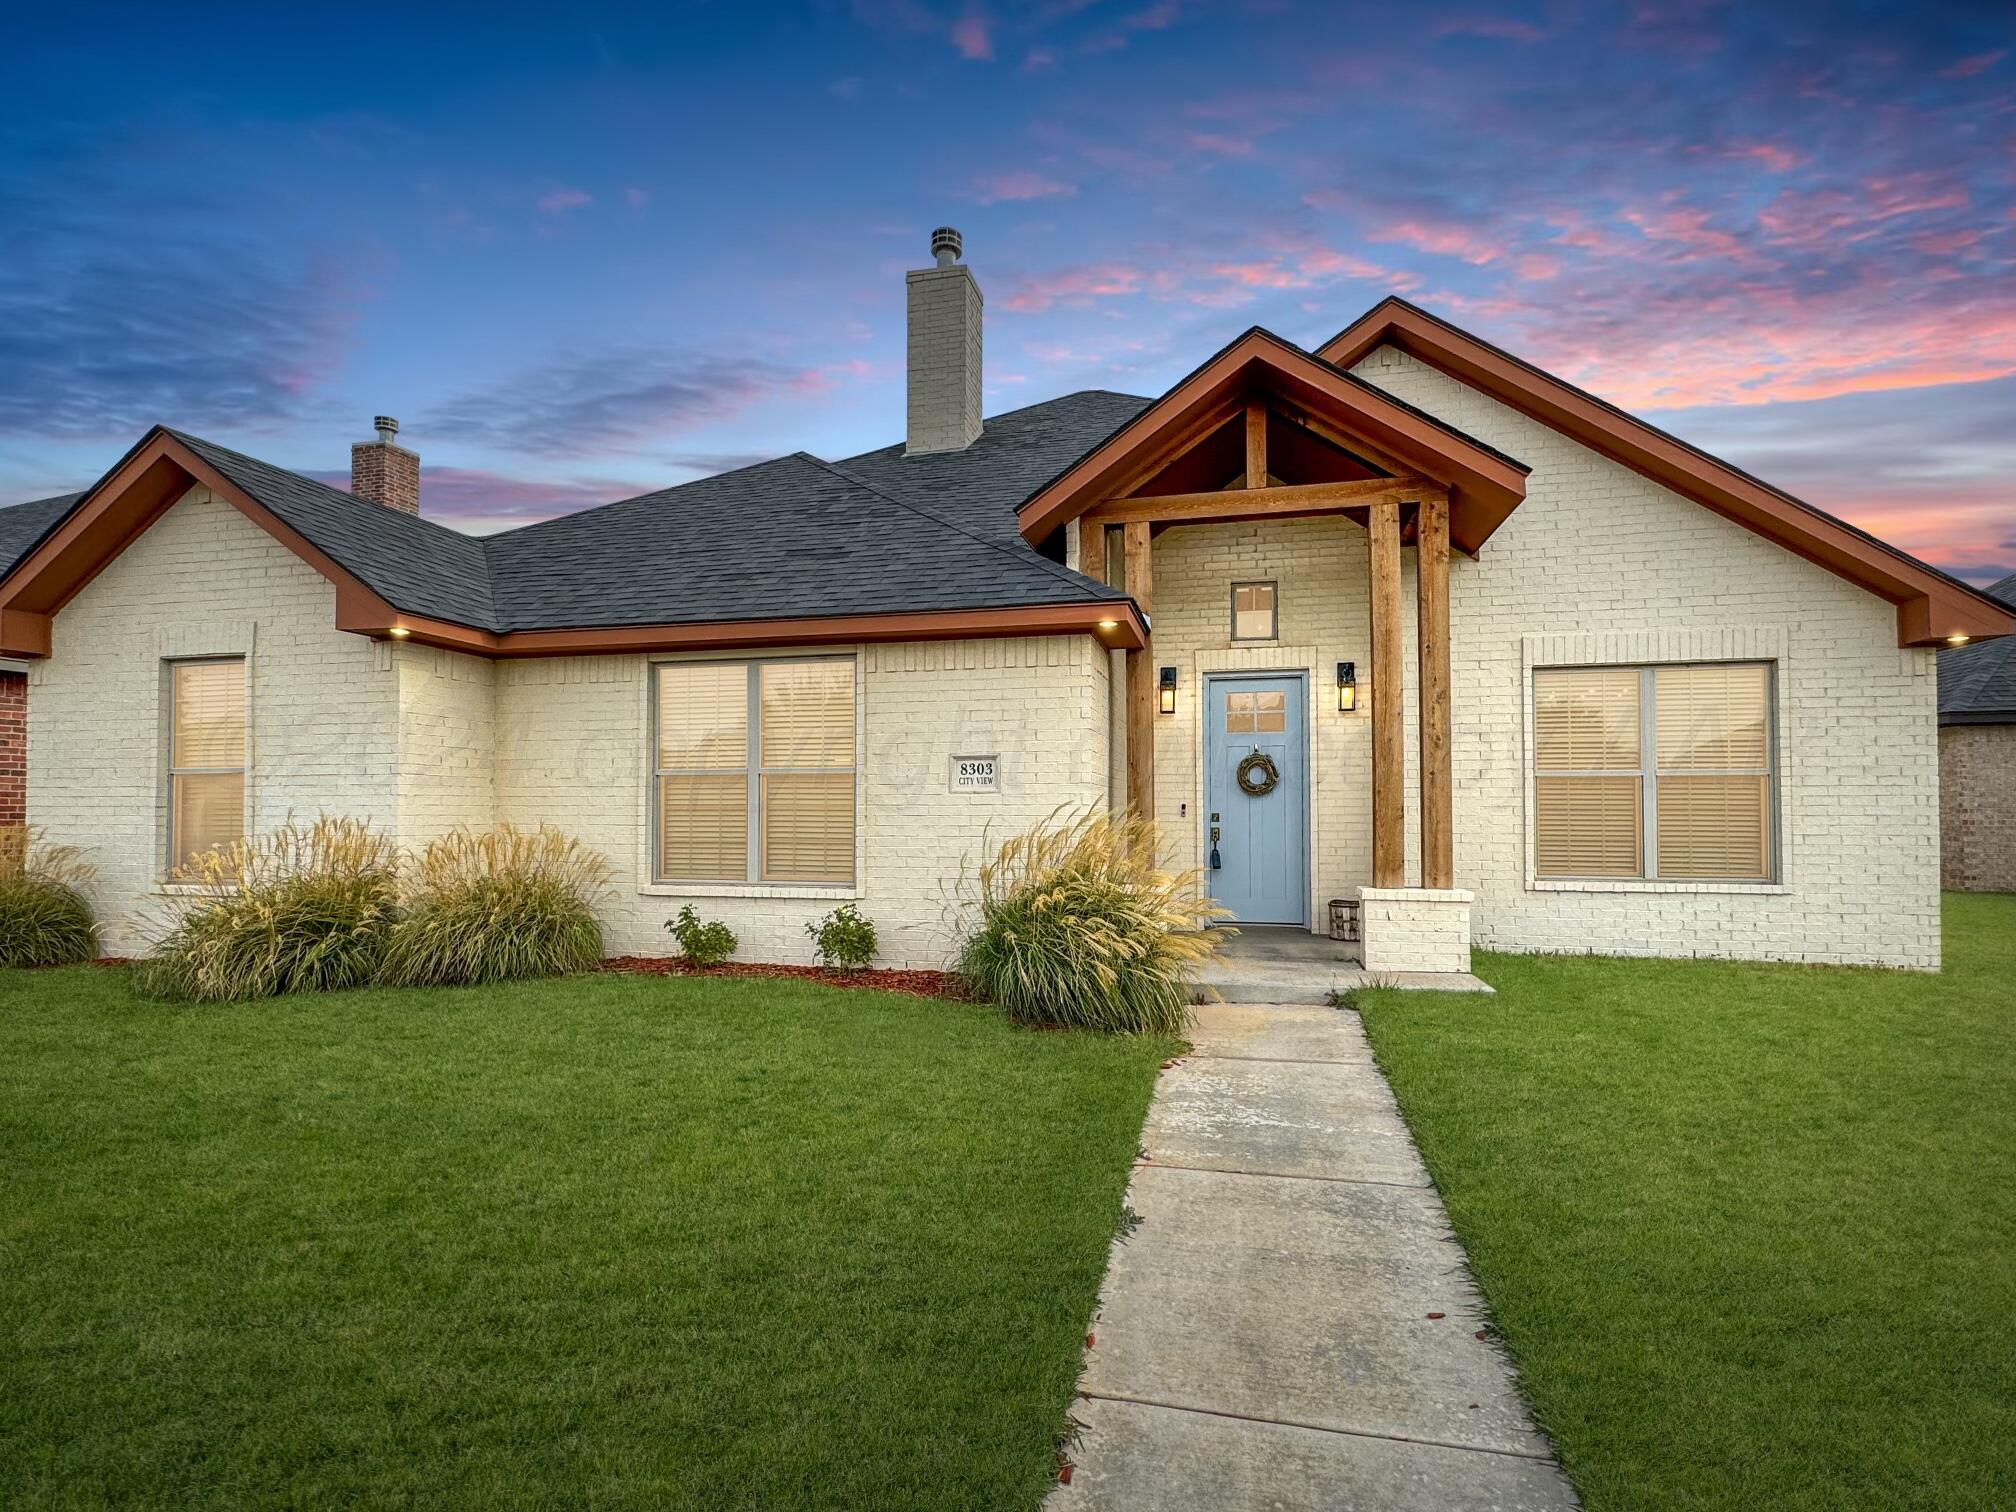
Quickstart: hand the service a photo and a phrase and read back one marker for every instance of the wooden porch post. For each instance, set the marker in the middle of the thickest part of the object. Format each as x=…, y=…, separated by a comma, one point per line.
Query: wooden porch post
x=1140, y=679
x=1438, y=866
x=1389, y=755
x=1092, y=551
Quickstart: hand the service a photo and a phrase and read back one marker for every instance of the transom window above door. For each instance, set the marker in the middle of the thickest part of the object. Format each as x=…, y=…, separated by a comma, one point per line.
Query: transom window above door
x=1255, y=614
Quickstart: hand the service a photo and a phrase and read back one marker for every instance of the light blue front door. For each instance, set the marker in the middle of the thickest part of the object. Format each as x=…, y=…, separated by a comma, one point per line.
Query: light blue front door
x=1255, y=841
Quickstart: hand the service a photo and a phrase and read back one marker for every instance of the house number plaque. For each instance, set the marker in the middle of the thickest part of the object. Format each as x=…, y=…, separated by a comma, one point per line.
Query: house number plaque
x=976, y=774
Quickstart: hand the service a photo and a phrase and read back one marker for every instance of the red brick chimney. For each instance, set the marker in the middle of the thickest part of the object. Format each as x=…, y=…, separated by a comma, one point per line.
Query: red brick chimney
x=386, y=473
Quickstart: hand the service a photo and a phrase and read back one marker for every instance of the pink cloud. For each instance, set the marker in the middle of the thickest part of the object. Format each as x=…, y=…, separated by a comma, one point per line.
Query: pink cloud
x=559, y=201
x=1501, y=28
x=1220, y=144
x=1689, y=229
x=1075, y=286
x=1777, y=158
x=1980, y=63
x=972, y=35
x=1016, y=186
x=1037, y=59
x=636, y=198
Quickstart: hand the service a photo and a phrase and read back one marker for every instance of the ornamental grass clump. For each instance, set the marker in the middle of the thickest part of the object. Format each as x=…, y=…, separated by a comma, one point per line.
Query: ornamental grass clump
x=303, y=908
x=496, y=906
x=45, y=919
x=1078, y=925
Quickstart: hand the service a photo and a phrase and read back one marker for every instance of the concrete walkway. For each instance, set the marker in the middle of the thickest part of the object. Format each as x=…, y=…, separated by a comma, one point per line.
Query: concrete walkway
x=1265, y=963
x=1292, y=1325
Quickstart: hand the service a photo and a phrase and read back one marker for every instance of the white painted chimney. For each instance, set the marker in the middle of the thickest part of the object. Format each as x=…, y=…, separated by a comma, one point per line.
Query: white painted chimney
x=944, y=355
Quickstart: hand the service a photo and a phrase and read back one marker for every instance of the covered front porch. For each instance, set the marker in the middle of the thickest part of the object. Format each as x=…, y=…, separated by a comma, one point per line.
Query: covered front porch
x=1287, y=531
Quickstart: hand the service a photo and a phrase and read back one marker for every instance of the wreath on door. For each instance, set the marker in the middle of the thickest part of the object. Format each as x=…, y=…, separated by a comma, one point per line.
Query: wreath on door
x=1258, y=775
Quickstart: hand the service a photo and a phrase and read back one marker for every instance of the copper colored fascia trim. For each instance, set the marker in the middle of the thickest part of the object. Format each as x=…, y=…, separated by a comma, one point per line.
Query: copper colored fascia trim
x=1484, y=488
x=1128, y=631
x=1931, y=610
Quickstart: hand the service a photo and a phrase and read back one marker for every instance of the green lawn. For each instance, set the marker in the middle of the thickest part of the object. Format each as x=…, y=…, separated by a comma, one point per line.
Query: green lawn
x=1750, y=1231
x=613, y=1241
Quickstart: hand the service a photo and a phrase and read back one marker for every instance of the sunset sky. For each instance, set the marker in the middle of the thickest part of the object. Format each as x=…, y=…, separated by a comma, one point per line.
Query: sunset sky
x=584, y=256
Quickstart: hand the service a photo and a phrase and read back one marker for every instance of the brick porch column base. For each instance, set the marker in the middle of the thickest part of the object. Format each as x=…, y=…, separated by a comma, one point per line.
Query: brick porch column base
x=1414, y=928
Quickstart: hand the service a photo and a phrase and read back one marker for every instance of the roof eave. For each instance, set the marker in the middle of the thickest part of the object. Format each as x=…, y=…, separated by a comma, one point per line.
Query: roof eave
x=1933, y=609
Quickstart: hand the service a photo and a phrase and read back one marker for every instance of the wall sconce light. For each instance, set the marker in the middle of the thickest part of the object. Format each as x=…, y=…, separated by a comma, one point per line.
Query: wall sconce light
x=1347, y=687
x=1167, y=691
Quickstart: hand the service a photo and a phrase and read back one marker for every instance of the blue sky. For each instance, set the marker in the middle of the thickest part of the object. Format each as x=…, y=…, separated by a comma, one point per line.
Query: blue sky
x=584, y=254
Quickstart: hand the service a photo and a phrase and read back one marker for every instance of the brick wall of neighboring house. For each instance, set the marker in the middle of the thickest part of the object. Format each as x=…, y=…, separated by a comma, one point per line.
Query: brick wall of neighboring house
x=13, y=748
x=1977, y=807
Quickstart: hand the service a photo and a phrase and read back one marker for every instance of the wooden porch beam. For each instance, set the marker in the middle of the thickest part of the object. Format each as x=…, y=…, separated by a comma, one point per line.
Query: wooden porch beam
x=1389, y=752
x=1140, y=679
x=1280, y=498
x=1256, y=444
x=1438, y=866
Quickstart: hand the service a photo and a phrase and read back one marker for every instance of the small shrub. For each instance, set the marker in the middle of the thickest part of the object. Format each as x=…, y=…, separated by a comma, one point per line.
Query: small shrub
x=498, y=906
x=843, y=938
x=704, y=942
x=1078, y=926
x=45, y=919
x=301, y=909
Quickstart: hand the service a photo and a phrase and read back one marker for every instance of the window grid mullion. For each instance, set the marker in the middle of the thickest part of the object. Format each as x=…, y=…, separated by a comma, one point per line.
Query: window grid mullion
x=1648, y=778
x=753, y=773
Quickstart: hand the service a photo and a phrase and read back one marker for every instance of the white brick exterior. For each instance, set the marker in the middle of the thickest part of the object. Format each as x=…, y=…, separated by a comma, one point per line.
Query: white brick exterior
x=1414, y=929
x=202, y=581
x=418, y=740
x=574, y=750
x=1598, y=565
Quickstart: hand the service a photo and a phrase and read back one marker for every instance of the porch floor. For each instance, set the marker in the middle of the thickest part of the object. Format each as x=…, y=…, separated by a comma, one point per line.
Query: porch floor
x=1273, y=963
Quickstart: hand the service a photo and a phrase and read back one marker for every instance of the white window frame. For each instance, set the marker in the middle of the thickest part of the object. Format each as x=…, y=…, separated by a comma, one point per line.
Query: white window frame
x=1648, y=774
x=171, y=771
x=751, y=883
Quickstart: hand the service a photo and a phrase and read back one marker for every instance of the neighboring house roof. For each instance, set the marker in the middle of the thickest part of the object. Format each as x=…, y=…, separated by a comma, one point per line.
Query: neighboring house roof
x=1977, y=684
x=1932, y=607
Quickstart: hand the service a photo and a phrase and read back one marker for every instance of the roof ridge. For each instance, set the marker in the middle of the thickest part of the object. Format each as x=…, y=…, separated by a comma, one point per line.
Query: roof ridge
x=1065, y=574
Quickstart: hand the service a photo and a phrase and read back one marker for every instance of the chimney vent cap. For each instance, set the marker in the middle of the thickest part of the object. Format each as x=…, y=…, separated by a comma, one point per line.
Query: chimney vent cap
x=386, y=427
x=946, y=245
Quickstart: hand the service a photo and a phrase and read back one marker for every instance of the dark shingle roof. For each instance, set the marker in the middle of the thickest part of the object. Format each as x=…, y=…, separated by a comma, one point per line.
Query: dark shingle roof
x=880, y=533
x=796, y=536
x=23, y=525
x=1977, y=684
x=1016, y=454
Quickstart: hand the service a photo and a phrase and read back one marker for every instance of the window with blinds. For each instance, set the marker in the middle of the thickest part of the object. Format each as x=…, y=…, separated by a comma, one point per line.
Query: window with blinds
x=755, y=771
x=1653, y=772
x=206, y=757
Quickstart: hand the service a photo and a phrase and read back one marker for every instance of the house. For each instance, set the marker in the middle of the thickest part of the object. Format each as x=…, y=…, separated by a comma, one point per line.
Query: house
x=1977, y=762
x=1401, y=620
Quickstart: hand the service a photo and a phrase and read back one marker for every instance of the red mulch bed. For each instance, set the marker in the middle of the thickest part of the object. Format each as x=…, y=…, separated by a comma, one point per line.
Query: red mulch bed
x=934, y=984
